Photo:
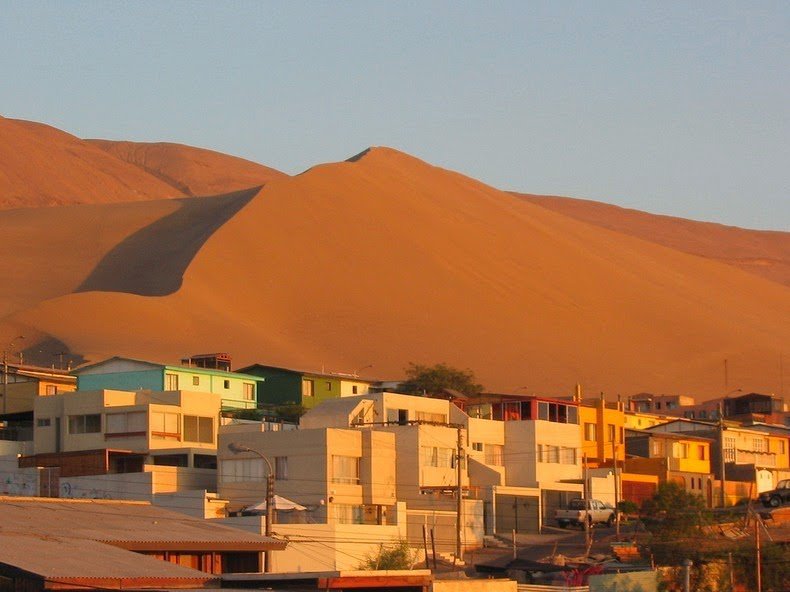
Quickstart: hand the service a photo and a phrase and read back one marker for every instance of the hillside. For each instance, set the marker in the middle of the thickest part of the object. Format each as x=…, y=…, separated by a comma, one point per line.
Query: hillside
x=764, y=253
x=191, y=171
x=387, y=260
x=43, y=166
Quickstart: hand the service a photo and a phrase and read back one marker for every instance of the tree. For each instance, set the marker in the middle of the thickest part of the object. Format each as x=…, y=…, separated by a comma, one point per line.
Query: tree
x=397, y=556
x=432, y=380
x=675, y=518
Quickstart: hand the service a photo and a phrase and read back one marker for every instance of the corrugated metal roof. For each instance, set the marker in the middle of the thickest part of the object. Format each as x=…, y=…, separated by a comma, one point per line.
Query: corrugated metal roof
x=64, y=557
x=131, y=525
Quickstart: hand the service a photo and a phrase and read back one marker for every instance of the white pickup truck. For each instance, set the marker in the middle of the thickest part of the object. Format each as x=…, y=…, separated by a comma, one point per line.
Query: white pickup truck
x=593, y=511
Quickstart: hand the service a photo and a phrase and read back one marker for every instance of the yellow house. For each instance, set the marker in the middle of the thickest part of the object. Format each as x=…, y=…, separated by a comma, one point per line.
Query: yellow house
x=22, y=383
x=681, y=458
x=602, y=426
x=638, y=420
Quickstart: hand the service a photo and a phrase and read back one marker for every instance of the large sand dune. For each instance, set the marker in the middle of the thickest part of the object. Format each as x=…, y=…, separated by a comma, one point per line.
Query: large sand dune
x=387, y=260
x=192, y=171
x=763, y=252
x=43, y=166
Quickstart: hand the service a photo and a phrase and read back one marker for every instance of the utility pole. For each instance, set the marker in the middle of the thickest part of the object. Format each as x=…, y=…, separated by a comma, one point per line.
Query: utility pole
x=235, y=449
x=722, y=464
x=5, y=372
x=616, y=492
x=586, y=490
x=758, y=523
x=459, y=496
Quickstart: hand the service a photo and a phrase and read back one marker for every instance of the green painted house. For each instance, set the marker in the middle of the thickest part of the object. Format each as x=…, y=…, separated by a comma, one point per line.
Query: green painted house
x=284, y=386
x=237, y=390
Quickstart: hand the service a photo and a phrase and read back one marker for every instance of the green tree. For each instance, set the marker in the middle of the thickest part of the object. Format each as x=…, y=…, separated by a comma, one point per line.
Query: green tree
x=396, y=556
x=432, y=380
x=675, y=519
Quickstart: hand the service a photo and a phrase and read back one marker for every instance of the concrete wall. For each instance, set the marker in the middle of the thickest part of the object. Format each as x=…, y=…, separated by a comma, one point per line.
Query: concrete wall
x=138, y=486
x=500, y=585
x=444, y=525
x=321, y=547
x=16, y=481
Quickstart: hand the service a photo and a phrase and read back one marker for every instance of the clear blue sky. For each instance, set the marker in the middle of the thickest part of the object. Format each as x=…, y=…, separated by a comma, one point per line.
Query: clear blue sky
x=678, y=108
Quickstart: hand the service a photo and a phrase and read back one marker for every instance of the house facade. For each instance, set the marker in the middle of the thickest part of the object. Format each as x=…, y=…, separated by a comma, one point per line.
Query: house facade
x=679, y=458
x=236, y=390
x=22, y=383
x=283, y=386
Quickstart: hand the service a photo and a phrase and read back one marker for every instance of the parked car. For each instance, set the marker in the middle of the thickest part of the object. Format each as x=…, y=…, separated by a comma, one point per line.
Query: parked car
x=776, y=497
x=580, y=511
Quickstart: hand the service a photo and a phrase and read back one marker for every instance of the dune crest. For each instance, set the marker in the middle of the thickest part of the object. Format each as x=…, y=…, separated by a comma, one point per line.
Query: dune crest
x=763, y=252
x=43, y=166
x=192, y=171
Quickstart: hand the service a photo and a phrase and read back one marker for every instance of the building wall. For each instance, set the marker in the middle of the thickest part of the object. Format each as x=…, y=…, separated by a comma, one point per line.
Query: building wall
x=310, y=480
x=144, y=486
x=488, y=433
x=322, y=547
x=605, y=416
x=132, y=380
x=57, y=409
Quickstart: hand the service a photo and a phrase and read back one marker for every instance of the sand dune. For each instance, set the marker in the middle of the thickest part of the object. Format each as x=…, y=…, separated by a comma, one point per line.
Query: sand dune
x=765, y=253
x=43, y=166
x=192, y=171
x=387, y=260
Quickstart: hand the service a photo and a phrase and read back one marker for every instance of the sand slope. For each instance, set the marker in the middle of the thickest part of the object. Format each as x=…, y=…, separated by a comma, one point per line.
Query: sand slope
x=192, y=171
x=43, y=166
x=387, y=260
x=765, y=253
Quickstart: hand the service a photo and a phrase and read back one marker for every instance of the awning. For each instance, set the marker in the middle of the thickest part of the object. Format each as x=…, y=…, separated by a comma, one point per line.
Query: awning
x=280, y=503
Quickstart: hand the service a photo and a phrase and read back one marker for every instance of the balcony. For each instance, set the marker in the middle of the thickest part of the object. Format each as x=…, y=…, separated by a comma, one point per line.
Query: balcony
x=750, y=457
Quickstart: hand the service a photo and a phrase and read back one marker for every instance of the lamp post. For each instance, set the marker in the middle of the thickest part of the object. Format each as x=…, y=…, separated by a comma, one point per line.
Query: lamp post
x=236, y=448
x=5, y=371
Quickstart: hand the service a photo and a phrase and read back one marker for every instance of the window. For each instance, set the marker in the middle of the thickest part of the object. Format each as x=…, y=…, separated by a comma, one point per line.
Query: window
x=198, y=429
x=43, y=422
x=494, y=454
x=656, y=448
x=658, y=405
x=354, y=389
x=477, y=446
x=52, y=389
x=85, y=424
x=165, y=426
x=612, y=432
x=328, y=385
x=701, y=451
x=196, y=381
x=347, y=513
x=345, y=469
x=590, y=432
x=758, y=444
x=249, y=391
x=573, y=414
x=242, y=469
x=281, y=468
x=543, y=410
x=126, y=423
x=548, y=453
x=308, y=388
x=226, y=383
x=430, y=417
x=171, y=382
x=434, y=456
x=781, y=446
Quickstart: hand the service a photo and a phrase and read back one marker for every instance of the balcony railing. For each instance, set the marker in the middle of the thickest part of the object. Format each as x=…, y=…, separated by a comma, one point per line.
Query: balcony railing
x=750, y=457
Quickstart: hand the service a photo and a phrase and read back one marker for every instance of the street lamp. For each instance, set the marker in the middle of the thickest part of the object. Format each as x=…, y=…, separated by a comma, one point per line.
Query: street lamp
x=236, y=448
x=5, y=371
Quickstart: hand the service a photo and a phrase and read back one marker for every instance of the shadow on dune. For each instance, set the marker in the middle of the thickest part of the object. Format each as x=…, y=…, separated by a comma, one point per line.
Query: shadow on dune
x=152, y=261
